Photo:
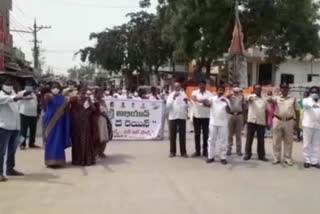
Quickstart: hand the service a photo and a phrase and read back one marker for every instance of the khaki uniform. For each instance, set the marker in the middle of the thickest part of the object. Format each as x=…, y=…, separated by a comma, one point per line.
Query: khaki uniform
x=283, y=125
x=235, y=124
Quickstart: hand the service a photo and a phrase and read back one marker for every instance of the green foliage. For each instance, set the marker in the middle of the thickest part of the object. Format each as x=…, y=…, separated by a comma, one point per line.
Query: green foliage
x=203, y=28
x=134, y=46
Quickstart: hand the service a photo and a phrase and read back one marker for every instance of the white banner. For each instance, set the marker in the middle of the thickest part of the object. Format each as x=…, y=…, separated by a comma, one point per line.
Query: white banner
x=136, y=119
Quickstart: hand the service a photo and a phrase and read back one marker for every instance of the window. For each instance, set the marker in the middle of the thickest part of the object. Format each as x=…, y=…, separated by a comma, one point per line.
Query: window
x=287, y=78
x=265, y=74
x=312, y=77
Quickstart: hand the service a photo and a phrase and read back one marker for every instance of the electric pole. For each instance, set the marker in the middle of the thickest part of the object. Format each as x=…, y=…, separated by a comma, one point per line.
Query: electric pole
x=36, y=49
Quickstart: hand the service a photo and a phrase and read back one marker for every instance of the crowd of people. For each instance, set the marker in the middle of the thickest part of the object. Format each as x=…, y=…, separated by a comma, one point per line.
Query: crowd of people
x=77, y=116
x=221, y=117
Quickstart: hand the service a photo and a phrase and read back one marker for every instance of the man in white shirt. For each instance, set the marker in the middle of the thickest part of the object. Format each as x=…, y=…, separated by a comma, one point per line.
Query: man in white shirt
x=177, y=105
x=218, y=134
x=9, y=128
x=257, y=117
x=29, y=117
x=201, y=115
x=311, y=129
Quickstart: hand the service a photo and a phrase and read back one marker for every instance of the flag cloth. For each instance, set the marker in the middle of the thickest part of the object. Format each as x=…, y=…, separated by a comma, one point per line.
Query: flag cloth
x=237, y=52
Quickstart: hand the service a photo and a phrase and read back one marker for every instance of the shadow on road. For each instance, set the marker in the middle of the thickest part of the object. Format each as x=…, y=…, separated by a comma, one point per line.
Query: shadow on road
x=116, y=159
x=42, y=178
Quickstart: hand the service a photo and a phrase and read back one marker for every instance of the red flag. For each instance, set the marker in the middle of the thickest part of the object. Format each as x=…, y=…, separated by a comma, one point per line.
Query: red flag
x=237, y=46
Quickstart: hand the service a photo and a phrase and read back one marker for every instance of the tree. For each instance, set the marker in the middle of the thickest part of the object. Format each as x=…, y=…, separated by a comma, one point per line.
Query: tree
x=202, y=29
x=134, y=46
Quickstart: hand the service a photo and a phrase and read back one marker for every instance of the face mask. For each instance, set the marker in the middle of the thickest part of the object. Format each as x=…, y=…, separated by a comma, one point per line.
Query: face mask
x=29, y=88
x=236, y=89
x=315, y=96
x=55, y=91
x=7, y=88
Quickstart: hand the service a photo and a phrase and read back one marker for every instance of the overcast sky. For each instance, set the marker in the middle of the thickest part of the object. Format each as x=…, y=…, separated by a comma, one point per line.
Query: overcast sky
x=72, y=21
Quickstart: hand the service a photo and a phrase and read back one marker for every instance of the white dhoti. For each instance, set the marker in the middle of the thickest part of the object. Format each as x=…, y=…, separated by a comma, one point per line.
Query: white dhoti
x=218, y=141
x=311, y=144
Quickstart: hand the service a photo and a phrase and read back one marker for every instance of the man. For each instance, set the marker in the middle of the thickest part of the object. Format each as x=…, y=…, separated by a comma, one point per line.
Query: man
x=177, y=105
x=9, y=128
x=284, y=122
x=311, y=129
x=154, y=94
x=201, y=115
x=235, y=124
x=219, y=109
x=257, y=117
x=29, y=117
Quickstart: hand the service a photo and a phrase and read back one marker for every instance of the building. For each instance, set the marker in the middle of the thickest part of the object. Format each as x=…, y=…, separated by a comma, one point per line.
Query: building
x=5, y=36
x=263, y=70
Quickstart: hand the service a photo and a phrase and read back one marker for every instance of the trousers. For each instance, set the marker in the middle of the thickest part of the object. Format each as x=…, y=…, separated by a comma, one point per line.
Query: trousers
x=28, y=123
x=9, y=141
x=311, y=143
x=201, y=124
x=283, y=132
x=252, y=128
x=218, y=140
x=175, y=127
x=235, y=126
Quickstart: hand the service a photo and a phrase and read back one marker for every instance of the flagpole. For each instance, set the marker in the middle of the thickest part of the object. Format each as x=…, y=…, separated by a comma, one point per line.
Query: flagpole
x=236, y=57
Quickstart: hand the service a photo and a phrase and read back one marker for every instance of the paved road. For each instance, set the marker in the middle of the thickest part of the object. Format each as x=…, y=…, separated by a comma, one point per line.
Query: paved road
x=138, y=178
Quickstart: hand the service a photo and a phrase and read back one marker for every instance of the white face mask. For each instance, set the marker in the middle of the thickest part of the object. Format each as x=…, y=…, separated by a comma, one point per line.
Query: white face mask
x=7, y=88
x=55, y=91
x=29, y=88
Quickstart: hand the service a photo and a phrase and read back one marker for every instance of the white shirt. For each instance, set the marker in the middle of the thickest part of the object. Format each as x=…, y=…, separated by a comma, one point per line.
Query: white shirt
x=9, y=112
x=218, y=111
x=178, y=108
x=311, y=114
x=153, y=98
x=29, y=107
x=199, y=110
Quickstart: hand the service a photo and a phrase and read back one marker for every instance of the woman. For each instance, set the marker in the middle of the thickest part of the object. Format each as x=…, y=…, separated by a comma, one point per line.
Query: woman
x=102, y=124
x=56, y=127
x=81, y=132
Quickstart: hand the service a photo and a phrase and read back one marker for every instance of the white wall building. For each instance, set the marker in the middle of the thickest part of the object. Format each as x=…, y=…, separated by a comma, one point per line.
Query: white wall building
x=292, y=71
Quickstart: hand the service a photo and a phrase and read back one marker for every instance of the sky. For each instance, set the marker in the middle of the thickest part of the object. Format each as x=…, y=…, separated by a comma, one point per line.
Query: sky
x=72, y=21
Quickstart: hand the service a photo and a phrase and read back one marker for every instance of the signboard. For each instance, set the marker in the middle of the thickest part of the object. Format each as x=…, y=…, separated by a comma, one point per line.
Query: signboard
x=136, y=119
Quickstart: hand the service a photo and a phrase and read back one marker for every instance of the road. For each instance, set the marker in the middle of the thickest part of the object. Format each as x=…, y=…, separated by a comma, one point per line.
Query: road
x=139, y=178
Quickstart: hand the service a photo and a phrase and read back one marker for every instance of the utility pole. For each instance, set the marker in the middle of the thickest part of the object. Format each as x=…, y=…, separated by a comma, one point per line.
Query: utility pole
x=36, y=49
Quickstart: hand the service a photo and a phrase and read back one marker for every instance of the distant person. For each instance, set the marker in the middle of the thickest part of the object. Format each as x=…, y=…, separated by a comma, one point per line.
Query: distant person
x=177, y=105
x=201, y=115
x=83, y=153
x=257, y=121
x=285, y=120
x=29, y=117
x=218, y=137
x=102, y=127
x=235, y=123
x=154, y=94
x=311, y=129
x=9, y=128
x=57, y=127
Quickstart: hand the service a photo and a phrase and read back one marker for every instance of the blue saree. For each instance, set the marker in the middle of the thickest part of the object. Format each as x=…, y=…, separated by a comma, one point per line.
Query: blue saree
x=57, y=131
